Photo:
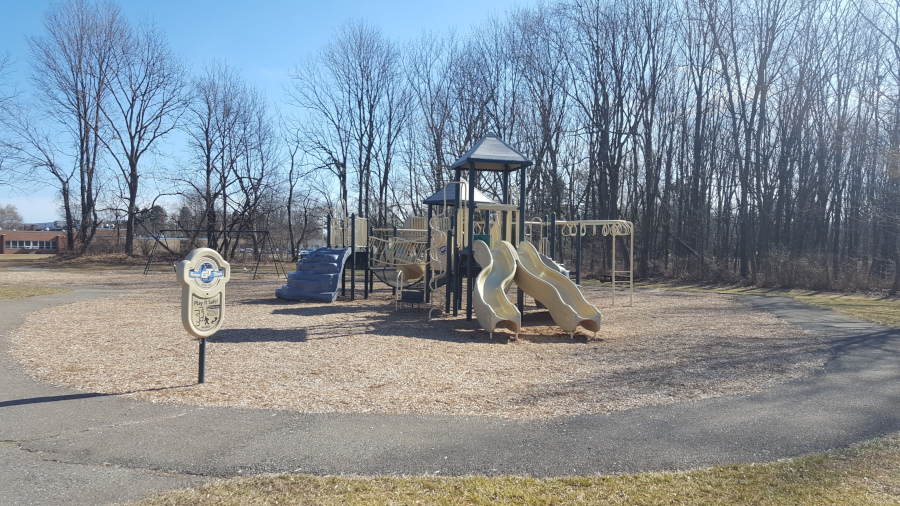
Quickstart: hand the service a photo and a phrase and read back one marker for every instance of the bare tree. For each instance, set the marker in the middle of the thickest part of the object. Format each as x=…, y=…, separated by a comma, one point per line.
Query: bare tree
x=71, y=74
x=9, y=217
x=755, y=32
x=304, y=212
x=33, y=148
x=653, y=40
x=6, y=151
x=293, y=144
x=431, y=76
x=356, y=103
x=147, y=100
x=205, y=145
x=326, y=126
x=255, y=170
x=233, y=145
x=540, y=41
x=391, y=123
x=5, y=62
x=602, y=94
x=884, y=18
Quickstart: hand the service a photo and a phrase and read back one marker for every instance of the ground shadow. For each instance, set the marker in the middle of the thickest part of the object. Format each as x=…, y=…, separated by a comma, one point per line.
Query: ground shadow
x=320, y=309
x=882, y=343
x=52, y=398
x=408, y=322
x=75, y=397
x=260, y=335
x=269, y=301
x=343, y=304
x=708, y=369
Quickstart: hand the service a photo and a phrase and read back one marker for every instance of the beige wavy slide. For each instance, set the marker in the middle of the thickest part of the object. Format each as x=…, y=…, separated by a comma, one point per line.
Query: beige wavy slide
x=557, y=292
x=498, y=267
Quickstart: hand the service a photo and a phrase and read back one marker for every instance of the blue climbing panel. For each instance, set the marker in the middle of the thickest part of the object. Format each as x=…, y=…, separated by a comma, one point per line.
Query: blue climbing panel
x=318, y=276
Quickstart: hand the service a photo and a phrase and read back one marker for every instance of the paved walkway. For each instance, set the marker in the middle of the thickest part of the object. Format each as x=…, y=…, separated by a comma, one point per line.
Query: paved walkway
x=60, y=446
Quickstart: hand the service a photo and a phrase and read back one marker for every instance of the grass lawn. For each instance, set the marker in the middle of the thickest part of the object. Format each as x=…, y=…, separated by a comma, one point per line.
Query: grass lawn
x=876, y=309
x=868, y=473
x=20, y=292
x=23, y=258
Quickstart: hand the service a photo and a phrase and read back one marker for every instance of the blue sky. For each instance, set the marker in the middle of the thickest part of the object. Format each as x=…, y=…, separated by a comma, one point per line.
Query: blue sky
x=264, y=39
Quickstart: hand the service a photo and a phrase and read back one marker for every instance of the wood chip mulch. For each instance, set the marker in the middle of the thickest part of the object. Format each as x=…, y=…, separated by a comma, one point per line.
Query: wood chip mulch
x=363, y=356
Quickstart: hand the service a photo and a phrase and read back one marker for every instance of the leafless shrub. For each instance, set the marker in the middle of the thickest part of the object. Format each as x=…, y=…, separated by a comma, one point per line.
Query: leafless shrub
x=782, y=270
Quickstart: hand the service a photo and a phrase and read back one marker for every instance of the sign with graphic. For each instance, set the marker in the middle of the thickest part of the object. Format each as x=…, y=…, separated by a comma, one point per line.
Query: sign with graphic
x=203, y=275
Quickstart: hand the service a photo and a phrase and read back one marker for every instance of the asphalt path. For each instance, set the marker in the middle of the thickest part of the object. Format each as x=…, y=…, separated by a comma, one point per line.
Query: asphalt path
x=63, y=446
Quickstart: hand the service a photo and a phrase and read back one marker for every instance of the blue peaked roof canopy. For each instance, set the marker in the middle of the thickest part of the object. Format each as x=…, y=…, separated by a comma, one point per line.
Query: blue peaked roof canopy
x=492, y=154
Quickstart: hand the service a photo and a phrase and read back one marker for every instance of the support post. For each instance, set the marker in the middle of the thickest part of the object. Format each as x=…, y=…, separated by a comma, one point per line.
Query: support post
x=560, y=239
x=545, y=232
x=577, y=252
x=371, y=274
x=343, y=245
x=470, y=262
x=427, y=297
x=614, y=269
x=505, y=216
x=631, y=267
x=553, y=236
x=367, y=273
x=201, y=374
x=520, y=295
x=451, y=269
x=394, y=291
x=328, y=230
x=454, y=256
x=353, y=256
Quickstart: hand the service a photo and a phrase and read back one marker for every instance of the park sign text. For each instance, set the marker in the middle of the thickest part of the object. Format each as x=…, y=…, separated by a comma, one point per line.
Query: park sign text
x=203, y=275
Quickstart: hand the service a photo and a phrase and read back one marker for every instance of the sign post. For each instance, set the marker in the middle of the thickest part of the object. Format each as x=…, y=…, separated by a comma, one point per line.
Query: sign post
x=202, y=276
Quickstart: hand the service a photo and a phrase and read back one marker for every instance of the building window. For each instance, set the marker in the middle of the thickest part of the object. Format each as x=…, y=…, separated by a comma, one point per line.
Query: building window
x=33, y=245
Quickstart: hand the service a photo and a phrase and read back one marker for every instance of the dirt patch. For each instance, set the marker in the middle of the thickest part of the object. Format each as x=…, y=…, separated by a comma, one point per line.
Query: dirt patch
x=364, y=356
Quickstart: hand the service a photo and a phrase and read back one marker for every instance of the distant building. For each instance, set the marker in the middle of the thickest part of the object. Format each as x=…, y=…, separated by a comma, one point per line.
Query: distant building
x=35, y=239
x=31, y=241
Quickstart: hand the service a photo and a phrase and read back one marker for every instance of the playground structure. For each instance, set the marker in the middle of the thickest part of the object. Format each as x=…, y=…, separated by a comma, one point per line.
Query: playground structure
x=317, y=277
x=427, y=259
x=498, y=269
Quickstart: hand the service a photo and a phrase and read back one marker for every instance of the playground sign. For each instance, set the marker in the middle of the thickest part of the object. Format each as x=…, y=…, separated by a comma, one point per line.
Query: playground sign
x=202, y=276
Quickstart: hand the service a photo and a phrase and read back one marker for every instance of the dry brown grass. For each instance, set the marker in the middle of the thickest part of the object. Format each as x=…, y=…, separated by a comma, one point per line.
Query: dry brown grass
x=364, y=357
x=863, y=474
x=21, y=292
